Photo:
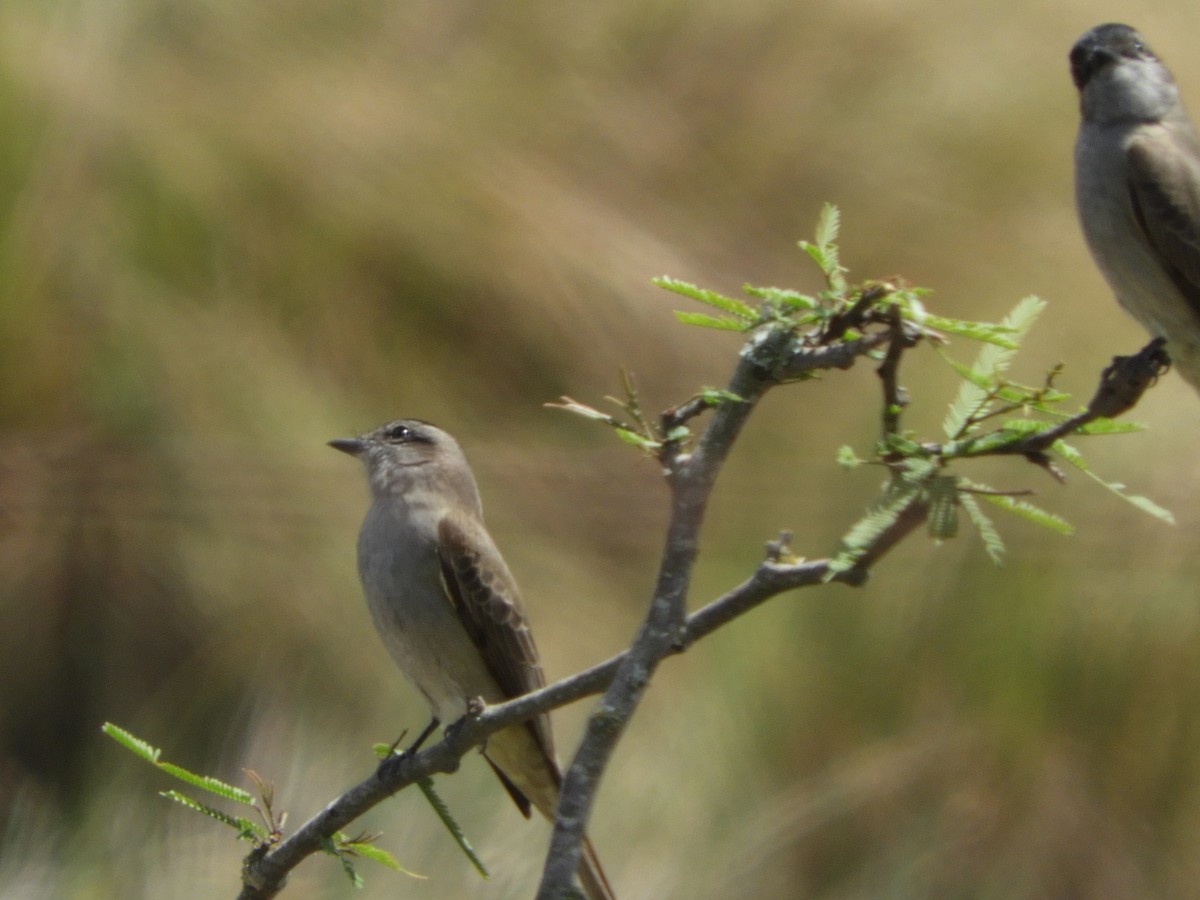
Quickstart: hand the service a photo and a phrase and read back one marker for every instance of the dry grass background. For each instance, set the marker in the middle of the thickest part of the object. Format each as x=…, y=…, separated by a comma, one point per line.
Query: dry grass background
x=232, y=231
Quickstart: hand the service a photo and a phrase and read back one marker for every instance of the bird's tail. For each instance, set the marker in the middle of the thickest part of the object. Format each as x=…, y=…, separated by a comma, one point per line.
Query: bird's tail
x=591, y=875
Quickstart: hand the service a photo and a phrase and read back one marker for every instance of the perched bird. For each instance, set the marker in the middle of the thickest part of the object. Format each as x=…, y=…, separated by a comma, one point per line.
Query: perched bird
x=1137, y=187
x=447, y=607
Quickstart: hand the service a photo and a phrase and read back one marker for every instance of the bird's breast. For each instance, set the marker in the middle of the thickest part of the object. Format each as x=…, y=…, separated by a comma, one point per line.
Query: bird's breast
x=401, y=576
x=1122, y=252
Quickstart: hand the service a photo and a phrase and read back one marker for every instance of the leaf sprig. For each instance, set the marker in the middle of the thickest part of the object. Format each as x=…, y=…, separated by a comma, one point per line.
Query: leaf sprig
x=990, y=414
x=263, y=834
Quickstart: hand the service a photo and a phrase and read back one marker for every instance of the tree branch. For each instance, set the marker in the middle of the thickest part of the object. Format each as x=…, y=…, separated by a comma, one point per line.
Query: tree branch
x=769, y=357
x=265, y=870
x=1122, y=384
x=690, y=476
x=772, y=354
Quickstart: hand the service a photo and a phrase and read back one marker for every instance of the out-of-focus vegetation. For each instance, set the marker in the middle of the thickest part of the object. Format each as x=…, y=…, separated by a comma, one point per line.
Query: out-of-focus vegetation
x=232, y=231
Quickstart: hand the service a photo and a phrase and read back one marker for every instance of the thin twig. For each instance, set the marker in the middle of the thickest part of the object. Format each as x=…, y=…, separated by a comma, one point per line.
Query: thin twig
x=894, y=399
x=1122, y=384
x=691, y=477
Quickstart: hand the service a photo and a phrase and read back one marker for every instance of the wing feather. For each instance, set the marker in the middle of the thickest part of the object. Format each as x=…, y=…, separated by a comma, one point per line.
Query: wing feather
x=1164, y=189
x=489, y=605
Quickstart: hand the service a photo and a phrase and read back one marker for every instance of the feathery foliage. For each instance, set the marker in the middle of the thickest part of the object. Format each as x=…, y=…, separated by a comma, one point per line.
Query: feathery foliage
x=990, y=414
x=260, y=835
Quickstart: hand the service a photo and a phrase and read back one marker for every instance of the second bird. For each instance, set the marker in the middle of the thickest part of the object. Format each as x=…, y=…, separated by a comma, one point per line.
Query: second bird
x=447, y=607
x=1137, y=187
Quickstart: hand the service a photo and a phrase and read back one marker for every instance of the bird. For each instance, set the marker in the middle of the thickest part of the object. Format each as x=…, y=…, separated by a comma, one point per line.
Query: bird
x=1137, y=186
x=448, y=609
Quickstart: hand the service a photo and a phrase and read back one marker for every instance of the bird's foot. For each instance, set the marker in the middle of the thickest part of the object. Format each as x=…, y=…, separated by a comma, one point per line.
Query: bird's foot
x=395, y=756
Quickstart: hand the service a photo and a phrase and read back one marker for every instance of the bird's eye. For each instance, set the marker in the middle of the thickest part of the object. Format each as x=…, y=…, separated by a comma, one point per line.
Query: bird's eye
x=399, y=433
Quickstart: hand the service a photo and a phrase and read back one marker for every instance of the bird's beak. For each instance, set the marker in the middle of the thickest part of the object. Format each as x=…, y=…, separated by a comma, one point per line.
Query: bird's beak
x=353, y=446
x=1087, y=58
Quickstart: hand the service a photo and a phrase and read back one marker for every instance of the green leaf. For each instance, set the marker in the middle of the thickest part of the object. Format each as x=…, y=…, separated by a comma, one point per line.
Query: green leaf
x=782, y=297
x=443, y=813
x=897, y=496
x=1145, y=504
x=985, y=332
x=943, y=507
x=134, y=744
x=246, y=829
x=982, y=378
x=1027, y=510
x=1111, y=426
x=969, y=402
x=721, y=323
x=847, y=458
x=992, y=542
x=367, y=849
x=1019, y=427
x=991, y=442
x=208, y=783
x=1071, y=455
x=625, y=432
x=348, y=867
x=1022, y=316
x=1039, y=399
x=347, y=849
x=632, y=437
x=824, y=251
x=678, y=433
x=152, y=755
x=345, y=860
x=829, y=223
x=827, y=261
x=729, y=305
x=719, y=397
x=900, y=444
x=377, y=855
x=917, y=470
x=582, y=409
x=1015, y=505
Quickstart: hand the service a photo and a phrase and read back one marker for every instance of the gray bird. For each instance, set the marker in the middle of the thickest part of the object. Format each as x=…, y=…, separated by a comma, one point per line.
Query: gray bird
x=447, y=607
x=1137, y=187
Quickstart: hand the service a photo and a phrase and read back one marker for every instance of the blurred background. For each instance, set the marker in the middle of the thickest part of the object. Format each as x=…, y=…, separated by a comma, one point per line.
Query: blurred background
x=232, y=231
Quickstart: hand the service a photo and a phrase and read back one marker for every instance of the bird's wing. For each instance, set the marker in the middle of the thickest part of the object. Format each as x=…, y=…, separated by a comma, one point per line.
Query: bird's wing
x=486, y=598
x=1164, y=188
